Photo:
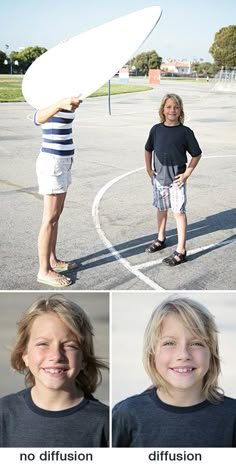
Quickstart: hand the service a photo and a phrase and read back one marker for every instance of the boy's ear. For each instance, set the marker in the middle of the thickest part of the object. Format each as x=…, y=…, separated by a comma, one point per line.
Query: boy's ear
x=25, y=358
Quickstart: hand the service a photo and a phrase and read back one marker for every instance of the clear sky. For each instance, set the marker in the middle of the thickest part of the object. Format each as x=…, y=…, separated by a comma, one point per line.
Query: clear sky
x=185, y=31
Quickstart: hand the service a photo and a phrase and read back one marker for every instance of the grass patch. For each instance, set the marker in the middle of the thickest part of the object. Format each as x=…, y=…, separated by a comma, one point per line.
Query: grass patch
x=10, y=89
x=117, y=89
x=185, y=79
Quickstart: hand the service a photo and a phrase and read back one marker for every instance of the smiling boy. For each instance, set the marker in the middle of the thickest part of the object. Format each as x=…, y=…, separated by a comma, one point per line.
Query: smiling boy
x=184, y=406
x=55, y=352
x=166, y=151
x=55, y=359
x=182, y=360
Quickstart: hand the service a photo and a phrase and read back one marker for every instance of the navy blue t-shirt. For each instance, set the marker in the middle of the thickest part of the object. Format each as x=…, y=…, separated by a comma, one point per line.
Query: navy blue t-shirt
x=145, y=421
x=24, y=424
x=170, y=145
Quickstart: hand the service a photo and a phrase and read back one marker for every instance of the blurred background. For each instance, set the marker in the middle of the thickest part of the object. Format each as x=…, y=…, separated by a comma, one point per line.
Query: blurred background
x=12, y=307
x=130, y=314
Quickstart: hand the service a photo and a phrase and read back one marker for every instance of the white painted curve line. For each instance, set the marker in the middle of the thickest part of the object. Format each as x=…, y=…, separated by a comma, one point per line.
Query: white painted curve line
x=219, y=156
x=136, y=268
x=107, y=243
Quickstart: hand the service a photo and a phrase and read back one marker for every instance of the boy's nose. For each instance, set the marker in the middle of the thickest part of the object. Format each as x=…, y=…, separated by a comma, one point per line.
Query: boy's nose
x=183, y=352
x=56, y=352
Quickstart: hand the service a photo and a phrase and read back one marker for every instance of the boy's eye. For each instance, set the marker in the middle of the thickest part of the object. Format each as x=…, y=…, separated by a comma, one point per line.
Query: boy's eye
x=193, y=343
x=71, y=346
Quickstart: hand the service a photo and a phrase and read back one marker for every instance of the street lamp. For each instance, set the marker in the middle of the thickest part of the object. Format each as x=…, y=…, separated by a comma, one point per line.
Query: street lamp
x=11, y=62
x=109, y=96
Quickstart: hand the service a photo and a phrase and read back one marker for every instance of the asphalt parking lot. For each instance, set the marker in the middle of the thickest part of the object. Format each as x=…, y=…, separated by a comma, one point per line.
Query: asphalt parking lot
x=108, y=218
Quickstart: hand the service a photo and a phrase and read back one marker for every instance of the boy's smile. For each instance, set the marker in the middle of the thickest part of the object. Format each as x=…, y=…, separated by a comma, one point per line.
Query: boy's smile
x=171, y=112
x=182, y=359
x=183, y=370
x=56, y=372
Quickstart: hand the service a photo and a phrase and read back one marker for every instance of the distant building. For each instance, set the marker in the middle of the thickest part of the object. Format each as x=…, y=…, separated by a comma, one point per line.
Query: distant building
x=176, y=67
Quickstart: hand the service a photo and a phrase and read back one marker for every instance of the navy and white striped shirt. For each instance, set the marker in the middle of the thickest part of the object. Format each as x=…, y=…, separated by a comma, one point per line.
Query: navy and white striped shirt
x=57, y=134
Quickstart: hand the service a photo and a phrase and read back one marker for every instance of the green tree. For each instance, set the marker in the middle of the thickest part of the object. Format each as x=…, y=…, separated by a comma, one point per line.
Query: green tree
x=145, y=61
x=27, y=56
x=2, y=58
x=223, y=49
x=205, y=68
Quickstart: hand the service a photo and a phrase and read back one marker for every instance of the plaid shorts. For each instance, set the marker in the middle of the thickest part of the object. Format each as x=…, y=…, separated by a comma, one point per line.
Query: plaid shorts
x=166, y=197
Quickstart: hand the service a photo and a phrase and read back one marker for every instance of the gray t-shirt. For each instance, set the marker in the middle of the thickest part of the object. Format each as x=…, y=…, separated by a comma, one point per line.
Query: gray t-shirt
x=145, y=421
x=23, y=424
x=170, y=145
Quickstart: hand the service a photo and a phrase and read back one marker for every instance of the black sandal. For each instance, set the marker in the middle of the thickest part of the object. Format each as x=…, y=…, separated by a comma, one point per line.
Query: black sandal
x=173, y=261
x=157, y=245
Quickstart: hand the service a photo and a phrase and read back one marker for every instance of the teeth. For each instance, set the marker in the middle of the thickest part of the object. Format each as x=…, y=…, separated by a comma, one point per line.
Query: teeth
x=54, y=371
x=180, y=369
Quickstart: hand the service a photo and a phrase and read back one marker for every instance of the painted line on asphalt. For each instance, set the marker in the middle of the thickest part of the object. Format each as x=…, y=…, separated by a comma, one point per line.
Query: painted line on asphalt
x=107, y=243
x=135, y=269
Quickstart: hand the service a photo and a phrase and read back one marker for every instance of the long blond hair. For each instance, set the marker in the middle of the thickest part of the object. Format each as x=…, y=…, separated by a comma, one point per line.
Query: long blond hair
x=177, y=100
x=74, y=317
x=198, y=320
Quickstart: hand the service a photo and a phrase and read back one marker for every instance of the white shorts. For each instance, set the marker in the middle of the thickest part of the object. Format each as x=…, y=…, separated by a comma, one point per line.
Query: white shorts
x=53, y=173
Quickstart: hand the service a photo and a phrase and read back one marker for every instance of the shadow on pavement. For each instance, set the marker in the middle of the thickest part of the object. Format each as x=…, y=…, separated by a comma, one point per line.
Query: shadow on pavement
x=225, y=220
